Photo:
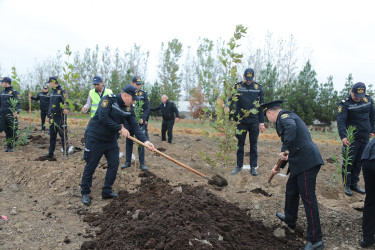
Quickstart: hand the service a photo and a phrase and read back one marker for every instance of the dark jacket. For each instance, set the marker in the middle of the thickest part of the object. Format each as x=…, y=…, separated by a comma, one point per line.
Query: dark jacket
x=359, y=114
x=296, y=138
x=6, y=94
x=169, y=112
x=44, y=100
x=111, y=113
x=57, y=102
x=248, y=94
x=369, y=151
x=143, y=96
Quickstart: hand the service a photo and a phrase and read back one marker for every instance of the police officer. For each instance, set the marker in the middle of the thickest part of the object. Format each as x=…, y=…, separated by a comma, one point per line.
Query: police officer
x=142, y=95
x=170, y=115
x=304, y=164
x=368, y=168
x=43, y=97
x=102, y=133
x=356, y=110
x=95, y=95
x=57, y=116
x=8, y=115
x=249, y=92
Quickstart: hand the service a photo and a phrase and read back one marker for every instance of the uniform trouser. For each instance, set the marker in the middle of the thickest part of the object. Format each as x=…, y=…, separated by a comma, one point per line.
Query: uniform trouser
x=141, y=149
x=167, y=126
x=354, y=169
x=57, y=126
x=10, y=126
x=43, y=114
x=303, y=185
x=253, y=129
x=94, y=150
x=368, y=223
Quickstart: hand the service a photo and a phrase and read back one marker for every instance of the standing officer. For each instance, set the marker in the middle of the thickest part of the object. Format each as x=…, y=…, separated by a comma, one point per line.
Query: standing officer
x=102, y=133
x=8, y=116
x=249, y=92
x=57, y=117
x=44, y=105
x=304, y=164
x=142, y=95
x=95, y=95
x=170, y=115
x=368, y=167
x=356, y=110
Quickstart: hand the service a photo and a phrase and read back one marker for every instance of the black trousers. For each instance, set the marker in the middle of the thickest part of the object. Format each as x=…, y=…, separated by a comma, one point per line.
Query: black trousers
x=57, y=126
x=43, y=114
x=253, y=129
x=368, y=223
x=167, y=125
x=141, y=149
x=10, y=126
x=354, y=169
x=303, y=185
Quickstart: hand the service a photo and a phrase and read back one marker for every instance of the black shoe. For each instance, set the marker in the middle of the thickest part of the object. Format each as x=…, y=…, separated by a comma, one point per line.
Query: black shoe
x=365, y=244
x=253, y=171
x=143, y=167
x=110, y=195
x=348, y=191
x=86, y=199
x=6, y=150
x=49, y=155
x=236, y=170
x=126, y=165
x=282, y=218
x=313, y=246
x=10, y=150
x=357, y=189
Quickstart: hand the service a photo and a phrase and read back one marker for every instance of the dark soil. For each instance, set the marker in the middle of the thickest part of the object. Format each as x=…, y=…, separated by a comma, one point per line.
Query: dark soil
x=160, y=216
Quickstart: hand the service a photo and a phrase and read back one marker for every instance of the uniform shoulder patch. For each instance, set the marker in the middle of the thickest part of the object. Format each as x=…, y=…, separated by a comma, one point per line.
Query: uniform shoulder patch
x=283, y=116
x=256, y=86
x=339, y=109
x=10, y=92
x=59, y=92
x=343, y=100
x=365, y=99
x=128, y=108
x=104, y=103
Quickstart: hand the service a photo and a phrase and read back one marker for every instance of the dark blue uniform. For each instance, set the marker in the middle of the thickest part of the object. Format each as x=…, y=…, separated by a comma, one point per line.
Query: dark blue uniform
x=8, y=121
x=368, y=165
x=58, y=121
x=169, y=112
x=362, y=116
x=248, y=94
x=102, y=133
x=43, y=99
x=304, y=164
x=146, y=113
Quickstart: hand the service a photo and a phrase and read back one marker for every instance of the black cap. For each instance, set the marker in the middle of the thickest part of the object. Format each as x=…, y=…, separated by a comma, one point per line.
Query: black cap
x=271, y=105
x=131, y=90
x=97, y=80
x=137, y=80
x=53, y=79
x=359, y=90
x=7, y=79
x=249, y=74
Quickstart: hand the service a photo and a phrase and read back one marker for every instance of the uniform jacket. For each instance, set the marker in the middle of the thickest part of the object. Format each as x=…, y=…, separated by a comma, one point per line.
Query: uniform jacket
x=111, y=113
x=296, y=138
x=6, y=94
x=44, y=100
x=359, y=114
x=369, y=151
x=143, y=96
x=247, y=95
x=168, y=112
x=57, y=96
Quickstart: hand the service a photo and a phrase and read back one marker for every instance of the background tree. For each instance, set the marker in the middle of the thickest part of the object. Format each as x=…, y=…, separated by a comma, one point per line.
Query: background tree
x=347, y=87
x=269, y=79
x=155, y=98
x=327, y=101
x=188, y=76
x=197, y=103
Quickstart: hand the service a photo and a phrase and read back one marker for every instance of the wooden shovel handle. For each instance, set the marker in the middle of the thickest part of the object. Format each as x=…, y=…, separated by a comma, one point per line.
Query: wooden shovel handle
x=278, y=165
x=170, y=158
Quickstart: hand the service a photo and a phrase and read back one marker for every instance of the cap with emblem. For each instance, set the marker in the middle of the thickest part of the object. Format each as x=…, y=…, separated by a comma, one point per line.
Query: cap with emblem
x=271, y=105
x=45, y=87
x=7, y=79
x=359, y=90
x=53, y=79
x=249, y=74
x=131, y=90
x=137, y=80
x=97, y=80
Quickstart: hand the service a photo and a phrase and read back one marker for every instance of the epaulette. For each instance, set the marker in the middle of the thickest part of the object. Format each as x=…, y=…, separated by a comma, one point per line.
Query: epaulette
x=343, y=101
x=283, y=116
x=111, y=95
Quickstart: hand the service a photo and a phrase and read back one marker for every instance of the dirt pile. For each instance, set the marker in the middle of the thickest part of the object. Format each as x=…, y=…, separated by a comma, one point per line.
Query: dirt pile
x=160, y=216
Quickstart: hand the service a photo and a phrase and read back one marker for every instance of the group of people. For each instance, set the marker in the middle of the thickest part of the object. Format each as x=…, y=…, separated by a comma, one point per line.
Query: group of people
x=113, y=115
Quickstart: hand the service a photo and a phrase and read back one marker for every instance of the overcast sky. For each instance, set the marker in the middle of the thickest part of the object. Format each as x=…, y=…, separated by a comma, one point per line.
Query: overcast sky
x=339, y=34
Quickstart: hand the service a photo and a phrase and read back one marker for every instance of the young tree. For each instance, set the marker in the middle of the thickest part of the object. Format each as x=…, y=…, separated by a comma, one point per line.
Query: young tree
x=155, y=98
x=197, y=103
x=327, y=101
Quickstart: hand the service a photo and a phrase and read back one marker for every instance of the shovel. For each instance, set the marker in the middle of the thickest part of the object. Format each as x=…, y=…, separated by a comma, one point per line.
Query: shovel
x=216, y=180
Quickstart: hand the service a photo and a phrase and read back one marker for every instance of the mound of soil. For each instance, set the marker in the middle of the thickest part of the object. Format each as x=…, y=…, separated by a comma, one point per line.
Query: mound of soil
x=160, y=216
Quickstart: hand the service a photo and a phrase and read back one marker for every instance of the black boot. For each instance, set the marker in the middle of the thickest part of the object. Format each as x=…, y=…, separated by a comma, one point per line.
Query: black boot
x=282, y=218
x=253, y=171
x=348, y=191
x=236, y=171
x=86, y=199
x=357, y=189
x=313, y=246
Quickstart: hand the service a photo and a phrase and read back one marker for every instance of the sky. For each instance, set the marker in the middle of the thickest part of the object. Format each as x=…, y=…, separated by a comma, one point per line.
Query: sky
x=339, y=36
